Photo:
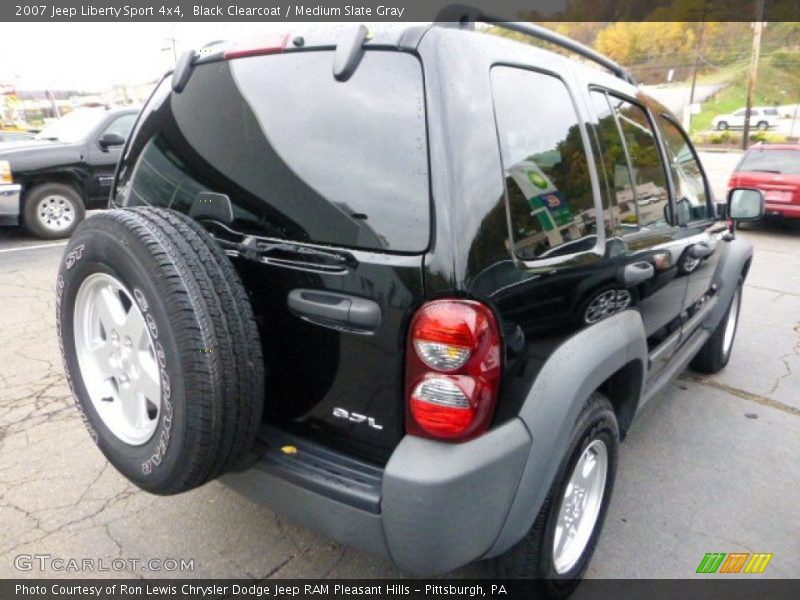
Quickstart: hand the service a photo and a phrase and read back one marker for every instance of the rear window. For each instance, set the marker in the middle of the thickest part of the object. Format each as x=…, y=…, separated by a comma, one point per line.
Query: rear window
x=771, y=161
x=301, y=155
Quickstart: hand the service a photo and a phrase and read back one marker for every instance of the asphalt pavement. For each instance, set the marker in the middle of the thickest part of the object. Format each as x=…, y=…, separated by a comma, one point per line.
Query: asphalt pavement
x=711, y=465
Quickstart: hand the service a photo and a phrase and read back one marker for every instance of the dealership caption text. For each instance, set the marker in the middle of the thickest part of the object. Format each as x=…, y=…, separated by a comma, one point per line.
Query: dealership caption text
x=128, y=12
x=255, y=589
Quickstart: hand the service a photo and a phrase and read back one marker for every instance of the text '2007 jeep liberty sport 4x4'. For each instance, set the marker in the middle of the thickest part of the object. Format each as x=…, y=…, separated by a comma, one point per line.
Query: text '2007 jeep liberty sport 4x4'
x=410, y=289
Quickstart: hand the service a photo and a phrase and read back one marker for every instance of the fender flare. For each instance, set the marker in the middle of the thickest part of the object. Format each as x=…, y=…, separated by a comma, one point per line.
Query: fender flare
x=554, y=402
x=734, y=263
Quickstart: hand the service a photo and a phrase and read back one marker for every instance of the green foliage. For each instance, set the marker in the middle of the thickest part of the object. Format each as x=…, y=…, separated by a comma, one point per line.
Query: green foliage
x=734, y=138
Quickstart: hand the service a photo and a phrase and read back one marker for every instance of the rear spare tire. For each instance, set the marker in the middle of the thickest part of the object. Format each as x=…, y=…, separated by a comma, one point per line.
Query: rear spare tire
x=160, y=347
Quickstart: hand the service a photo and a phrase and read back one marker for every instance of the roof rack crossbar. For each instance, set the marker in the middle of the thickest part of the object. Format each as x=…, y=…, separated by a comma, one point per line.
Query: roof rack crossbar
x=463, y=16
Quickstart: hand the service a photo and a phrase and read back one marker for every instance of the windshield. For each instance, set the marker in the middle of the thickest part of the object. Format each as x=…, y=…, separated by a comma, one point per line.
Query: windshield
x=786, y=162
x=73, y=127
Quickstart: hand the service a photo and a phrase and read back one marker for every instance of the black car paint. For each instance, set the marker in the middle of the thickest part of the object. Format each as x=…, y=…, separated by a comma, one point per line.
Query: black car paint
x=85, y=165
x=539, y=303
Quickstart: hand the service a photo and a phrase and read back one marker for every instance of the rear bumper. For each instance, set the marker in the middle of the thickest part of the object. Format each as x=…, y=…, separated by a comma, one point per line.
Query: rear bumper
x=791, y=211
x=9, y=203
x=441, y=505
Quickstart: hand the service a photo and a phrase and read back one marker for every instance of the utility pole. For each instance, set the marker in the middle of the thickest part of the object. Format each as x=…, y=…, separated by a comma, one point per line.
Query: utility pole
x=688, y=111
x=697, y=52
x=751, y=76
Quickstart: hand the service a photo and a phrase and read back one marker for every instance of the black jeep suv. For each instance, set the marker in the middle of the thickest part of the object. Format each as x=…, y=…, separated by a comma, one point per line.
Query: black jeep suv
x=410, y=289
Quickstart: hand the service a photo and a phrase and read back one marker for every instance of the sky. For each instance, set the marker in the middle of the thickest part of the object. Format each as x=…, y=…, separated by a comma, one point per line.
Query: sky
x=95, y=56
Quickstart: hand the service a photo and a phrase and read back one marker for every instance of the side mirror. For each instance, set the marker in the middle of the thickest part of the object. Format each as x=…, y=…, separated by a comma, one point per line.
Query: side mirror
x=745, y=204
x=110, y=139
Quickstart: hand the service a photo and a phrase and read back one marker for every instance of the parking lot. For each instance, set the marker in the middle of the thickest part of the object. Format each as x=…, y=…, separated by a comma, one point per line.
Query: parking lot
x=711, y=466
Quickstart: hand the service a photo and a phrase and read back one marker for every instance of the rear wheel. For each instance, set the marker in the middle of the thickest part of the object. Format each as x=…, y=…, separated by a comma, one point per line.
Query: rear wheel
x=557, y=549
x=52, y=211
x=160, y=347
x=762, y=126
x=716, y=352
x=722, y=125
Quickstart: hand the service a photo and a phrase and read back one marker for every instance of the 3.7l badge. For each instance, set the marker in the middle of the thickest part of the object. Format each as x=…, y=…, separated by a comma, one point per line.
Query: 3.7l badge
x=354, y=417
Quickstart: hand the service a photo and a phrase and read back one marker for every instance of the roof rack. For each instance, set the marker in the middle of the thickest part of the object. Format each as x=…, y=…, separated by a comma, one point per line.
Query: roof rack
x=466, y=16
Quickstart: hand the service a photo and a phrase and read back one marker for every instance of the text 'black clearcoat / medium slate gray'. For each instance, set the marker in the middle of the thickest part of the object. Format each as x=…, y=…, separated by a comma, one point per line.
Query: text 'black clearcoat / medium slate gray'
x=445, y=270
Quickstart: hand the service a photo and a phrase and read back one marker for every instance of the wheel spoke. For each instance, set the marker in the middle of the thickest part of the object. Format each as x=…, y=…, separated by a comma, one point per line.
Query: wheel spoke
x=134, y=407
x=109, y=308
x=134, y=328
x=148, y=383
x=560, y=539
x=100, y=354
x=585, y=471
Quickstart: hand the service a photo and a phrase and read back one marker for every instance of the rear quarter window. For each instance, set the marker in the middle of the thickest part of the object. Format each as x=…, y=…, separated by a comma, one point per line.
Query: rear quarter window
x=301, y=155
x=550, y=196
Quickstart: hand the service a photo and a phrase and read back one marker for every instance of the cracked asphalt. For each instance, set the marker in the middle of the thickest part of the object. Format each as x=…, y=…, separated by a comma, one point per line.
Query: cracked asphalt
x=711, y=466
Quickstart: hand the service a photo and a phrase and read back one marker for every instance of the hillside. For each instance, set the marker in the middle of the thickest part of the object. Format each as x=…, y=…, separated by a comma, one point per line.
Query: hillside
x=778, y=83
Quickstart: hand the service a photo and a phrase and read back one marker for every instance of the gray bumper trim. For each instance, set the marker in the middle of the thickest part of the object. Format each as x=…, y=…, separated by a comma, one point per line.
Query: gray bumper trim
x=442, y=505
x=445, y=504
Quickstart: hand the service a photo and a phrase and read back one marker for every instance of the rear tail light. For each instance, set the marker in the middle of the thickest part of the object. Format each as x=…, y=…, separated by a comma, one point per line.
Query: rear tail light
x=453, y=365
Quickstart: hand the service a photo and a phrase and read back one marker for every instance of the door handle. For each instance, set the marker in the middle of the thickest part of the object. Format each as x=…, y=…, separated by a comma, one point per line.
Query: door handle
x=339, y=311
x=700, y=250
x=636, y=273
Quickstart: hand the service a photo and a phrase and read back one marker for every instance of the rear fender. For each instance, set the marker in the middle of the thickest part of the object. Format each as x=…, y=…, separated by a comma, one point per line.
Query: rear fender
x=575, y=370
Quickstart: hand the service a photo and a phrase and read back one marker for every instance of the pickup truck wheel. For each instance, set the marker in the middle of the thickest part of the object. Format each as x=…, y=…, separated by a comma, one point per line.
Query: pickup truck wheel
x=556, y=550
x=160, y=347
x=52, y=211
x=716, y=352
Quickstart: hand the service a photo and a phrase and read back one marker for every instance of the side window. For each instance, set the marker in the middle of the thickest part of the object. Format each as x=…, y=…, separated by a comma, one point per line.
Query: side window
x=121, y=125
x=550, y=196
x=649, y=176
x=690, y=187
x=617, y=170
x=159, y=173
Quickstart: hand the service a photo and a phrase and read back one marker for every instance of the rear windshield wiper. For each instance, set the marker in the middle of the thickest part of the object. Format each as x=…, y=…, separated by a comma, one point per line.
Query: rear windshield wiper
x=283, y=253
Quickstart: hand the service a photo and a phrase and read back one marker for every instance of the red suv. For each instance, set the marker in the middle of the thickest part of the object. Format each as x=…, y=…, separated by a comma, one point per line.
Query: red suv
x=775, y=170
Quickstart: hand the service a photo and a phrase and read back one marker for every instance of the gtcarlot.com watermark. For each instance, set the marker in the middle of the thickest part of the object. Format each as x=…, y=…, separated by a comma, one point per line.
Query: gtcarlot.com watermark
x=62, y=564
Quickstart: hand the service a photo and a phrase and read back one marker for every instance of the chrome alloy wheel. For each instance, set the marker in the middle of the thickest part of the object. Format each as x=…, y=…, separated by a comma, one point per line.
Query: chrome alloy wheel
x=606, y=304
x=580, y=507
x=117, y=359
x=731, y=322
x=55, y=212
